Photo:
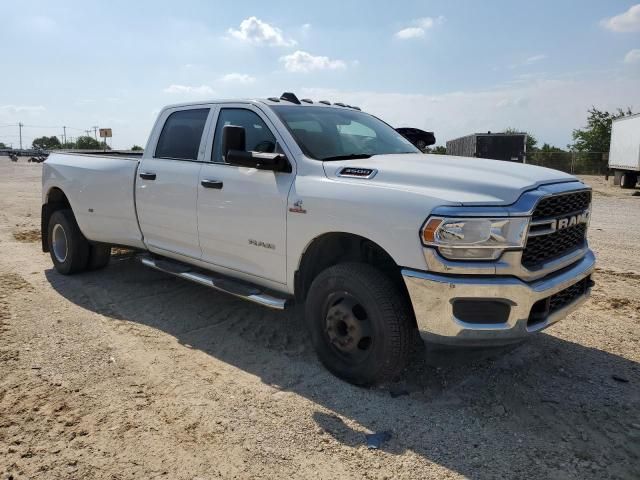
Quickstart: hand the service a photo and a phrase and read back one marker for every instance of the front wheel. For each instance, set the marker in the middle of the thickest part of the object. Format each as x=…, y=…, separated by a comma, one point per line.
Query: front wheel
x=360, y=324
x=69, y=249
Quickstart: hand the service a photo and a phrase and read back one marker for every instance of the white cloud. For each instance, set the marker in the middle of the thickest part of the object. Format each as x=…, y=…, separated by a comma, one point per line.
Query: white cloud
x=303, y=62
x=529, y=61
x=410, y=32
x=419, y=27
x=28, y=109
x=242, y=78
x=534, y=59
x=189, y=89
x=633, y=56
x=428, y=22
x=255, y=31
x=628, y=21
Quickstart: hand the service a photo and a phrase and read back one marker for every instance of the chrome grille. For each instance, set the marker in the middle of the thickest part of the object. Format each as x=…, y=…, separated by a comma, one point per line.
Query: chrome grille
x=558, y=243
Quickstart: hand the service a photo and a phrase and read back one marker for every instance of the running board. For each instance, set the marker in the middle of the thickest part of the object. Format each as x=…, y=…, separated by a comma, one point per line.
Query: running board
x=226, y=285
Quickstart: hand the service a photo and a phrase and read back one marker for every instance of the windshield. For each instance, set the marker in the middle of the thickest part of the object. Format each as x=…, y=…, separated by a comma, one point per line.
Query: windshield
x=341, y=133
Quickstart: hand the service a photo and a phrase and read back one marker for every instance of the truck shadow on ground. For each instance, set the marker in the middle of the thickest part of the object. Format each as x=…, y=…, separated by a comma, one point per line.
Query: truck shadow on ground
x=563, y=409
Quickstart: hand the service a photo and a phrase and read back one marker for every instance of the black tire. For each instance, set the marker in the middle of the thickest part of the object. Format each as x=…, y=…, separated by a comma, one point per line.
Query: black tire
x=99, y=256
x=73, y=258
x=360, y=324
x=628, y=180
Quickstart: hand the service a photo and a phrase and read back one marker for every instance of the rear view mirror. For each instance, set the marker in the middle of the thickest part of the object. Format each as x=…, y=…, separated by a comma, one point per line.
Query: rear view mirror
x=233, y=138
x=234, y=147
x=262, y=161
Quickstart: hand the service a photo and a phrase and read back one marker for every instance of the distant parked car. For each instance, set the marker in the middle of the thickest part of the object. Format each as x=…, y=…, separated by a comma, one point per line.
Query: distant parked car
x=419, y=138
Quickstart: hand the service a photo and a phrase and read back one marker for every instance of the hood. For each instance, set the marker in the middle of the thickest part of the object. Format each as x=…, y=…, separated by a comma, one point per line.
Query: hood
x=462, y=180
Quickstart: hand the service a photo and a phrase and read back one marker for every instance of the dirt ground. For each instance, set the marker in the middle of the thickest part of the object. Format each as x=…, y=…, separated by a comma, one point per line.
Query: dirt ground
x=130, y=373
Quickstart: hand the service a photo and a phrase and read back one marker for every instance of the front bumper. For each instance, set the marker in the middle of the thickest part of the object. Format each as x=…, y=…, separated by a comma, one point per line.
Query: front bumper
x=434, y=295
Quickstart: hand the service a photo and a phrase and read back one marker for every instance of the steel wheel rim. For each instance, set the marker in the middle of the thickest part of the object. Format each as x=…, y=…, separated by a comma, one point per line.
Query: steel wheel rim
x=59, y=243
x=348, y=328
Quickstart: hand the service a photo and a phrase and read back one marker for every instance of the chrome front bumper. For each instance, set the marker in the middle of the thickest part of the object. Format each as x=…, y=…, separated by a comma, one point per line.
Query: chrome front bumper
x=433, y=296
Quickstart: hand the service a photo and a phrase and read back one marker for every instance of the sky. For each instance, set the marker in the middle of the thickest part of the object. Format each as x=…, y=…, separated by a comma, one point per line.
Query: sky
x=452, y=67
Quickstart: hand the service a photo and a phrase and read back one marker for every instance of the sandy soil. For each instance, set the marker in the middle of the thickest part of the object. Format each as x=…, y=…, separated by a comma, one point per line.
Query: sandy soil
x=129, y=373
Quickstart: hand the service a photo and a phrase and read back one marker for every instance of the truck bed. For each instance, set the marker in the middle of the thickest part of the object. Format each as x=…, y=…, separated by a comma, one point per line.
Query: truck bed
x=101, y=191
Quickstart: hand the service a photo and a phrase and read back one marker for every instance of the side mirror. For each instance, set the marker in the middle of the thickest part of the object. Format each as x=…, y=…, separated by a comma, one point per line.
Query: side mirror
x=235, y=152
x=233, y=138
x=262, y=161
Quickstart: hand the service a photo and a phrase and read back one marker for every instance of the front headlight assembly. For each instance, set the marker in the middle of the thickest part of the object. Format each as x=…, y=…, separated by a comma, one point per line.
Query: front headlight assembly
x=474, y=238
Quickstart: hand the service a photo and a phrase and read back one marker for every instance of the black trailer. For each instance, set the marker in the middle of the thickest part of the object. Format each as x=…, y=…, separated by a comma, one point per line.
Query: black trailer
x=498, y=146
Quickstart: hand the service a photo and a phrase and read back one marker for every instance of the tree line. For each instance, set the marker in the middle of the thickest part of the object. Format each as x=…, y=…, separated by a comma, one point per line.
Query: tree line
x=81, y=143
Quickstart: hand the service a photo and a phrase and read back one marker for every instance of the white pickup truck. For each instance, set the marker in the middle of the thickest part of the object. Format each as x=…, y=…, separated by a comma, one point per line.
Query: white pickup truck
x=281, y=201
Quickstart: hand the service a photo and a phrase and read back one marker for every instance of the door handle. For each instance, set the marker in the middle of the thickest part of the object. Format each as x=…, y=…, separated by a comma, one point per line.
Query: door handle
x=148, y=175
x=207, y=183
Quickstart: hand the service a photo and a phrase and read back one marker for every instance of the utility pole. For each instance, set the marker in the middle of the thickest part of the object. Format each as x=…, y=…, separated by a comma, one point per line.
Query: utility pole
x=95, y=132
x=20, y=128
x=64, y=134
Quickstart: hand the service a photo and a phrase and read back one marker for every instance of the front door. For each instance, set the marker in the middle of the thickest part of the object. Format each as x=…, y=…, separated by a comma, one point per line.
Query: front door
x=242, y=211
x=167, y=185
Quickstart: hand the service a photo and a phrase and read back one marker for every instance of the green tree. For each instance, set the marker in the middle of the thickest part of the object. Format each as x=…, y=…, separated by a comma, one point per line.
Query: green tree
x=439, y=150
x=546, y=148
x=532, y=141
x=137, y=148
x=46, y=143
x=2, y=145
x=68, y=146
x=596, y=136
x=87, y=143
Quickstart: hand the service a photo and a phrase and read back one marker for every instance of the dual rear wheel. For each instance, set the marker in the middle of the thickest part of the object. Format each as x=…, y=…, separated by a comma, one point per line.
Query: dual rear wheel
x=70, y=251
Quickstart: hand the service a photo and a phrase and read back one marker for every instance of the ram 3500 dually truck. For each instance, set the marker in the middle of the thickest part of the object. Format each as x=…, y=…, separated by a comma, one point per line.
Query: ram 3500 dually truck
x=281, y=200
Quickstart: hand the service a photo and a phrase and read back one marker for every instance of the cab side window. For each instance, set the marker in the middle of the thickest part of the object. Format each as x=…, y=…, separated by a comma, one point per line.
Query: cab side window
x=258, y=136
x=181, y=134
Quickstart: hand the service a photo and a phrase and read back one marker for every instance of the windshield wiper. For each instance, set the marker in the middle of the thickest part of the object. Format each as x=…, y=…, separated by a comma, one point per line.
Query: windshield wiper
x=350, y=156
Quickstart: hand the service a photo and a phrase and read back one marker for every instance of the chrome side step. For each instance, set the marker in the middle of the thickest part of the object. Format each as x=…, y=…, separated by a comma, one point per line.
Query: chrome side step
x=220, y=283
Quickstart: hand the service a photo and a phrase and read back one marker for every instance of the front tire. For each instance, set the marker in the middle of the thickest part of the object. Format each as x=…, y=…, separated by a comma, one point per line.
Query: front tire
x=360, y=324
x=69, y=249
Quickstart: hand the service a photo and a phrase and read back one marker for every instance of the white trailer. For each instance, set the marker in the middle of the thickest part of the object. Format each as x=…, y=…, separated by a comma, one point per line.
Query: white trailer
x=624, y=152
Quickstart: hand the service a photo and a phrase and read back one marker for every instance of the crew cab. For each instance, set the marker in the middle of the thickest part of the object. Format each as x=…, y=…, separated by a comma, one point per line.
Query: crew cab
x=282, y=201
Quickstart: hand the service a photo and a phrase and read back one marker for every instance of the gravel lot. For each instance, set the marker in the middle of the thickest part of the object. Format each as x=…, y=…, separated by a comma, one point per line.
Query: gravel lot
x=130, y=373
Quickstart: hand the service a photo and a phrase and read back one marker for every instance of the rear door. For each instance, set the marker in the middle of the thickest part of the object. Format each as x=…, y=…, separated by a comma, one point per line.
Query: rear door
x=242, y=211
x=167, y=183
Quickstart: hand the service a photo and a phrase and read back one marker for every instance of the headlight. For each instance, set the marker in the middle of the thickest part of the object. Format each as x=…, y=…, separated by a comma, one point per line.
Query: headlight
x=474, y=238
